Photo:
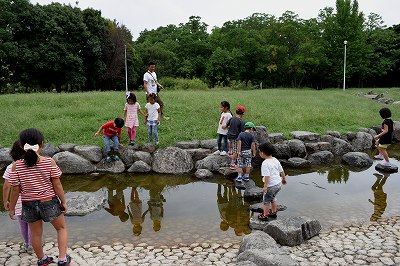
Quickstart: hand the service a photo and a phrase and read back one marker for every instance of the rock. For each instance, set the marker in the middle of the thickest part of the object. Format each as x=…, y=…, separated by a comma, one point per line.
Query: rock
x=198, y=154
x=188, y=144
x=340, y=146
x=49, y=150
x=143, y=156
x=261, y=134
x=297, y=148
x=5, y=158
x=226, y=171
x=213, y=162
x=297, y=162
x=317, y=146
x=292, y=231
x=267, y=257
x=335, y=134
x=257, y=240
x=82, y=203
x=385, y=100
x=362, y=141
x=71, y=163
x=258, y=207
x=321, y=157
x=127, y=155
x=256, y=224
x=67, y=147
x=139, y=167
x=203, y=173
x=91, y=153
x=357, y=159
x=245, y=263
x=396, y=131
x=386, y=168
x=282, y=151
x=252, y=192
x=276, y=137
x=208, y=144
x=349, y=136
x=149, y=147
x=367, y=130
x=172, y=160
x=115, y=167
x=305, y=135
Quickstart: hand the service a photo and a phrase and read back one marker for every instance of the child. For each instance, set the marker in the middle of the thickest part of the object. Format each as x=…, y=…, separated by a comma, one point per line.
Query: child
x=384, y=139
x=131, y=116
x=16, y=153
x=111, y=131
x=223, y=129
x=246, y=146
x=273, y=178
x=153, y=114
x=37, y=179
x=235, y=126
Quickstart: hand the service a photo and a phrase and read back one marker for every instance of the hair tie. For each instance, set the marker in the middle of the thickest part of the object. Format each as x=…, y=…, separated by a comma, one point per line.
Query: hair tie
x=35, y=147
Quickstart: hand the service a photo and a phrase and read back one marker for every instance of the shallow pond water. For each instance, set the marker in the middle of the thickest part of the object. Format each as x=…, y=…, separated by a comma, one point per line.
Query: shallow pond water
x=166, y=209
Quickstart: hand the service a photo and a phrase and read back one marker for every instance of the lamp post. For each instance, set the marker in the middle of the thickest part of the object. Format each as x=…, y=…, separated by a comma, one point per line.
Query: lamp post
x=344, y=67
x=126, y=73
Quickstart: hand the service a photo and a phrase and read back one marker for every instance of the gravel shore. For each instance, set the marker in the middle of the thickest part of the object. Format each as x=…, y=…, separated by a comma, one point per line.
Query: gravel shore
x=376, y=243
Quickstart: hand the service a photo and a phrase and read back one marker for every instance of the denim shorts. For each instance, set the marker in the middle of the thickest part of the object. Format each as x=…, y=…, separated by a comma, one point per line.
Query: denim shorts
x=244, y=160
x=269, y=197
x=46, y=210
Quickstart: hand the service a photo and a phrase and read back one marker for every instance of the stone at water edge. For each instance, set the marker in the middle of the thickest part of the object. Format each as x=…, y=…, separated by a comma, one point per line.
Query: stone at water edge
x=387, y=168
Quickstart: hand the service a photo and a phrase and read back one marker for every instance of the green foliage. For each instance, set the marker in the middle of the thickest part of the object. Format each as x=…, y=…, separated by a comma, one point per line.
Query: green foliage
x=183, y=84
x=193, y=114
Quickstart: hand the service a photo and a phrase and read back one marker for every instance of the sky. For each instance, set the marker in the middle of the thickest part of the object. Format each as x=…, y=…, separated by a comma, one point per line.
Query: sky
x=140, y=15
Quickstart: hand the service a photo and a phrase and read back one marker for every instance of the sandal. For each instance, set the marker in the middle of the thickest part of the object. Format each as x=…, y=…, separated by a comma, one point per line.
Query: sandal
x=262, y=217
x=272, y=215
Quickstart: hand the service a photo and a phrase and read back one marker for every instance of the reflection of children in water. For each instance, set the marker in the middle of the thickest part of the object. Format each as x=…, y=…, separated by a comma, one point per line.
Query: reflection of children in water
x=233, y=210
x=135, y=212
x=116, y=204
x=156, y=207
x=379, y=197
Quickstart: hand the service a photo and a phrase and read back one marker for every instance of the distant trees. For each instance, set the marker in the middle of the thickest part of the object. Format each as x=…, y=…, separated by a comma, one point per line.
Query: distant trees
x=69, y=49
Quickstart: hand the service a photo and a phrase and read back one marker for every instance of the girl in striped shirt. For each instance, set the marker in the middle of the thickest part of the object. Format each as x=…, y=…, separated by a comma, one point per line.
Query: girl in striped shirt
x=37, y=179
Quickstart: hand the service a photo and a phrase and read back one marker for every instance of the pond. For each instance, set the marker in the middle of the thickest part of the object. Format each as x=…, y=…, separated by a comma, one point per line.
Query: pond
x=166, y=209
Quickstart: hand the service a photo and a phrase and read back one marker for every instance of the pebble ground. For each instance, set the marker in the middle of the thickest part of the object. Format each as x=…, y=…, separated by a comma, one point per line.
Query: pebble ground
x=376, y=243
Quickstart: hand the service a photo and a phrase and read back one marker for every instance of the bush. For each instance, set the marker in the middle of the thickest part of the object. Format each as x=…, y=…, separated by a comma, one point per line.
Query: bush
x=183, y=84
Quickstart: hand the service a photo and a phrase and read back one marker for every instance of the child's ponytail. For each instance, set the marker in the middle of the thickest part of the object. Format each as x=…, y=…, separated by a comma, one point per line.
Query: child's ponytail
x=30, y=158
x=31, y=140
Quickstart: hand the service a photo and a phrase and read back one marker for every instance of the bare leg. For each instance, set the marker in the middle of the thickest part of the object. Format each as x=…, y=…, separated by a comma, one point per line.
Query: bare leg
x=266, y=210
x=62, y=235
x=36, y=238
x=274, y=207
x=384, y=153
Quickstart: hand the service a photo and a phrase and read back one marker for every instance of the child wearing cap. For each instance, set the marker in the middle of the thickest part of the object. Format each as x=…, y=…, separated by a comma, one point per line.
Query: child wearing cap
x=235, y=126
x=246, y=150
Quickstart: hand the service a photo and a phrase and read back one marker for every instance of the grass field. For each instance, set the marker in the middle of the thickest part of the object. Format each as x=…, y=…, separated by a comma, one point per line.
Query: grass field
x=75, y=117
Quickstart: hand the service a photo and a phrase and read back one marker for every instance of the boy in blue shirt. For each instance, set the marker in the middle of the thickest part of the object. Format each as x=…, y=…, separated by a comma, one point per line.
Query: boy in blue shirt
x=246, y=150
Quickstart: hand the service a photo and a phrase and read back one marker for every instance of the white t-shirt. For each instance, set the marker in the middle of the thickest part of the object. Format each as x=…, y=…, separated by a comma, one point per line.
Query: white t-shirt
x=152, y=110
x=18, y=206
x=225, y=117
x=272, y=168
x=151, y=81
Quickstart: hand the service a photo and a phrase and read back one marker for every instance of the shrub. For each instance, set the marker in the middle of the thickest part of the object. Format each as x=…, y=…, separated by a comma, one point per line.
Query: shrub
x=183, y=84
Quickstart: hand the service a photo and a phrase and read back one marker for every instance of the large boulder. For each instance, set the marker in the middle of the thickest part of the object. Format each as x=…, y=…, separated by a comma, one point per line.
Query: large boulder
x=276, y=137
x=396, y=131
x=208, y=144
x=143, y=156
x=297, y=162
x=49, y=150
x=5, y=158
x=335, y=134
x=148, y=147
x=172, y=160
x=71, y=163
x=82, y=203
x=203, y=173
x=213, y=162
x=321, y=157
x=114, y=167
x=91, y=153
x=188, y=144
x=139, y=167
x=257, y=240
x=305, y=135
x=282, y=150
x=198, y=154
x=67, y=147
x=340, y=146
x=261, y=134
x=293, y=231
x=357, y=159
x=297, y=148
x=362, y=141
x=386, y=168
x=127, y=155
x=312, y=147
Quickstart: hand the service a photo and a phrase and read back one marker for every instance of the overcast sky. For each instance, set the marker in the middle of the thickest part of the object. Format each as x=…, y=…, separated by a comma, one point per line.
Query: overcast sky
x=140, y=15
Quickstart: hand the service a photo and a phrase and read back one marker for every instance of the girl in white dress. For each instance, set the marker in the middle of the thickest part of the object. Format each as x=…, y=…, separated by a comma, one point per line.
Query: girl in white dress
x=131, y=116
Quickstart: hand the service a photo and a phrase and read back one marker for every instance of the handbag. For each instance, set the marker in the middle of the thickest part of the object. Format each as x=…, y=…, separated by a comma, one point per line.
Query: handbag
x=158, y=86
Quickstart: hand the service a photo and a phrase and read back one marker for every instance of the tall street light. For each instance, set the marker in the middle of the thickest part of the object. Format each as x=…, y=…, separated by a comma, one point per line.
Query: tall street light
x=344, y=66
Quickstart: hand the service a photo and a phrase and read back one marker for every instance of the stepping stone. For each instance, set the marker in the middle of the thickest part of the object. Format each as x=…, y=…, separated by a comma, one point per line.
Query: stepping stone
x=387, y=168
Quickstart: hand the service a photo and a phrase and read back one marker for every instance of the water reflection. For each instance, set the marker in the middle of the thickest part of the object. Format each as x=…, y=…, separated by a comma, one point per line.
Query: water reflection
x=338, y=174
x=380, y=197
x=135, y=212
x=116, y=204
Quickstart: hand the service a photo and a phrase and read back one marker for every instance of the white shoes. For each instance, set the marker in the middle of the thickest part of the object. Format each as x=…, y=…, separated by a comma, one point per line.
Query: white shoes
x=223, y=153
x=217, y=152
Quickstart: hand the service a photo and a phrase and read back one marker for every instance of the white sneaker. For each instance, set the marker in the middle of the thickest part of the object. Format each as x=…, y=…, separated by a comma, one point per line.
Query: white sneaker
x=223, y=153
x=379, y=156
x=217, y=152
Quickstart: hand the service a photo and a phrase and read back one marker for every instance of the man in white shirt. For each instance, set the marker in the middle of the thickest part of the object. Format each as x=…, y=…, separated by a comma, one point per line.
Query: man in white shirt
x=150, y=84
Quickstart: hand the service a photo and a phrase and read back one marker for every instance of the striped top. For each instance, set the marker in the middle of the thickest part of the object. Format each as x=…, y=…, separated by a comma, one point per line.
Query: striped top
x=18, y=206
x=132, y=114
x=35, y=182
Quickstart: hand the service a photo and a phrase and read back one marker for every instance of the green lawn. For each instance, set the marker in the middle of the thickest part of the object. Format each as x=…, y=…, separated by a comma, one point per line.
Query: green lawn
x=75, y=117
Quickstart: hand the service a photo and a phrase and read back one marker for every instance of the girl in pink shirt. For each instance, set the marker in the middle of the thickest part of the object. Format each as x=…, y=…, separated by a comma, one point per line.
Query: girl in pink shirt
x=131, y=109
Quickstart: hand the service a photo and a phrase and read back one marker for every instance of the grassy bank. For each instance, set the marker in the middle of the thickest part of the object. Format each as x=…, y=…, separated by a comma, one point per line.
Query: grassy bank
x=75, y=117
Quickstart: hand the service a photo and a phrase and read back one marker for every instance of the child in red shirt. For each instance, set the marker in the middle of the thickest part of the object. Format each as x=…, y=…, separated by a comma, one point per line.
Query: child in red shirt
x=111, y=131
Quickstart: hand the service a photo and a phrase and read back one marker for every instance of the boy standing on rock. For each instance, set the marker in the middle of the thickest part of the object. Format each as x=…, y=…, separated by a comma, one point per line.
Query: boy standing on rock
x=246, y=150
x=273, y=178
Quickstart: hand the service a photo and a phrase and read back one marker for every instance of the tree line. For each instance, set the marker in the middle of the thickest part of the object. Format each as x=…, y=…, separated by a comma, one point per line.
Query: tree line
x=69, y=49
